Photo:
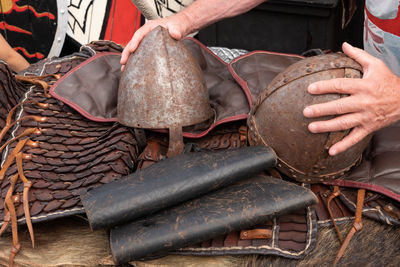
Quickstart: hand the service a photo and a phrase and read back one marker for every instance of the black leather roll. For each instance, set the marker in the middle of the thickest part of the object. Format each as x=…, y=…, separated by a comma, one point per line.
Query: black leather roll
x=236, y=207
x=170, y=182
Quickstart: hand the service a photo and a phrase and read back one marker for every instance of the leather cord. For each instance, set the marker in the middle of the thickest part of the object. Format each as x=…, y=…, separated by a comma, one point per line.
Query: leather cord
x=10, y=124
x=37, y=80
x=357, y=225
x=27, y=186
x=19, y=156
x=335, y=193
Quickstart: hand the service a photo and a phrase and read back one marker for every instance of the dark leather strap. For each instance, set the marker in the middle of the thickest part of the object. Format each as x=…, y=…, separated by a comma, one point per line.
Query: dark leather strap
x=239, y=206
x=172, y=181
x=357, y=225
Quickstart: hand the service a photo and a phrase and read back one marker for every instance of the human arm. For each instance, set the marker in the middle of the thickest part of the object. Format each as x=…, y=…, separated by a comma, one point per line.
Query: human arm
x=9, y=55
x=198, y=15
x=373, y=101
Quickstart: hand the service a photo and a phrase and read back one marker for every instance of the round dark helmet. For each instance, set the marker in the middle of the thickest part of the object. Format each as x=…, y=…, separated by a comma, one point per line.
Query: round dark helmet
x=277, y=120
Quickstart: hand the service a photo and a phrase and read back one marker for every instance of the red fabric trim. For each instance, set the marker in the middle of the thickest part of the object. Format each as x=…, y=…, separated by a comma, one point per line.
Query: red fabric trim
x=229, y=119
x=388, y=25
x=241, y=82
x=212, y=126
x=72, y=104
x=206, y=48
x=371, y=187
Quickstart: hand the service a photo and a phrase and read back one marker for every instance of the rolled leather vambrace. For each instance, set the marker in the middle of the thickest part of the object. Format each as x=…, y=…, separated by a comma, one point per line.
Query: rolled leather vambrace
x=238, y=206
x=170, y=182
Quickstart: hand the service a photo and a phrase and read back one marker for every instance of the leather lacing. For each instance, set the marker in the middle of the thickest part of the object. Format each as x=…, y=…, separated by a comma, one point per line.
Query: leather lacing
x=17, y=154
x=357, y=224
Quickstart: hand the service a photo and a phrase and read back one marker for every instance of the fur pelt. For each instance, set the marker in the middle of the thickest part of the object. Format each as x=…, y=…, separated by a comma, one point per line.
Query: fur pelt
x=70, y=242
x=375, y=245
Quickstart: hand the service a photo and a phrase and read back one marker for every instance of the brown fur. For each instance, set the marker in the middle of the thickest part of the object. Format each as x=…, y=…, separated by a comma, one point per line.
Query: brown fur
x=70, y=242
x=375, y=245
x=63, y=242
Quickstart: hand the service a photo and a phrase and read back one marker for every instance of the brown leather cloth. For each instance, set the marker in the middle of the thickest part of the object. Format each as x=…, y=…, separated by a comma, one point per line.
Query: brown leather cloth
x=95, y=90
x=376, y=206
x=379, y=170
x=255, y=70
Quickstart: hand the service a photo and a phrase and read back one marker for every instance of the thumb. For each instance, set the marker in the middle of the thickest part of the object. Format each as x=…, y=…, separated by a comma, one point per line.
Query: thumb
x=359, y=55
x=174, y=32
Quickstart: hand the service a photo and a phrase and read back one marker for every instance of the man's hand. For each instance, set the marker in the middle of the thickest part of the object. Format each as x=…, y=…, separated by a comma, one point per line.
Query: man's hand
x=373, y=101
x=177, y=26
x=195, y=17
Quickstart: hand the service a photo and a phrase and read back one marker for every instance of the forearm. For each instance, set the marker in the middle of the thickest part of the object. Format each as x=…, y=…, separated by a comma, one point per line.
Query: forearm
x=17, y=62
x=205, y=12
x=196, y=16
x=11, y=57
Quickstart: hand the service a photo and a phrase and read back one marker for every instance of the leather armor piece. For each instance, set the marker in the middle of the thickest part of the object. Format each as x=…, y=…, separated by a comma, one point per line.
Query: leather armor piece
x=292, y=235
x=235, y=207
x=255, y=70
x=376, y=206
x=172, y=181
x=230, y=95
x=277, y=120
x=96, y=101
x=379, y=170
x=339, y=210
x=73, y=153
x=299, y=230
x=10, y=93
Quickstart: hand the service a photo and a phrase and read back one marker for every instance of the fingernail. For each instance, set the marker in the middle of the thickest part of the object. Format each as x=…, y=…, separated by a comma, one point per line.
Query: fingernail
x=332, y=152
x=346, y=43
x=307, y=112
x=312, y=127
x=312, y=88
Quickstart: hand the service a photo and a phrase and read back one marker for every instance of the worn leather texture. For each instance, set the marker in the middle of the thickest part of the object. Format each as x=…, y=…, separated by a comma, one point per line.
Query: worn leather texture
x=292, y=236
x=299, y=228
x=72, y=153
x=239, y=206
x=379, y=170
x=228, y=99
x=376, y=206
x=254, y=70
x=341, y=213
x=104, y=69
x=172, y=181
x=10, y=93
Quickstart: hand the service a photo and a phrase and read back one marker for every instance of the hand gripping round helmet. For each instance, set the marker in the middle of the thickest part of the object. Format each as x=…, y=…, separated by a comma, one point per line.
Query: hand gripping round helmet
x=163, y=87
x=277, y=120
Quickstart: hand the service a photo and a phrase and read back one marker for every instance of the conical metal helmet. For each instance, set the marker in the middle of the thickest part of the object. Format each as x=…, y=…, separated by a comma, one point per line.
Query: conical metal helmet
x=163, y=86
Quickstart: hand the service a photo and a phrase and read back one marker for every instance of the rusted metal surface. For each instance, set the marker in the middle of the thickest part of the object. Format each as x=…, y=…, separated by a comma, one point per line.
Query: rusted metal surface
x=277, y=120
x=162, y=86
